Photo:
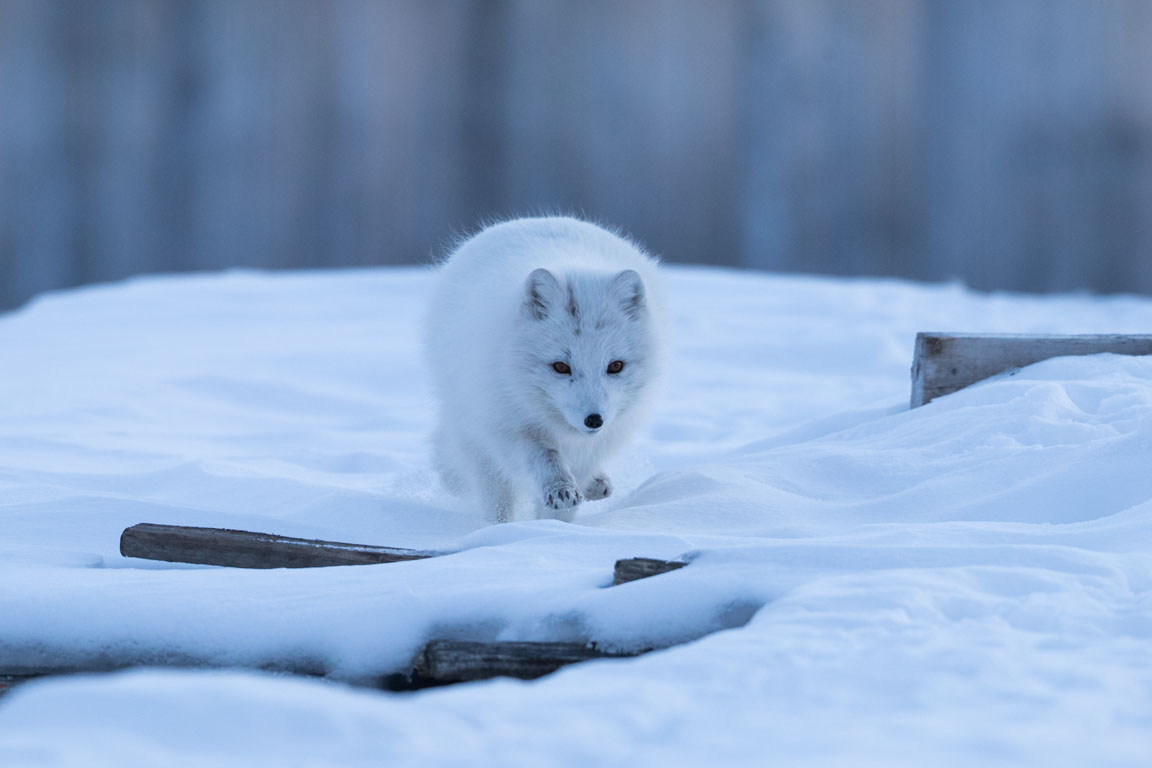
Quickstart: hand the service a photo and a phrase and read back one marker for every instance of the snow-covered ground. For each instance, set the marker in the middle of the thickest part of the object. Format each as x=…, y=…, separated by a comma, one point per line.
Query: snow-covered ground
x=968, y=583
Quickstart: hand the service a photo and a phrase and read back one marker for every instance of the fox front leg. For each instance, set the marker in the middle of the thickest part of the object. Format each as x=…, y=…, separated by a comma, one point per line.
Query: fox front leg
x=559, y=494
x=600, y=487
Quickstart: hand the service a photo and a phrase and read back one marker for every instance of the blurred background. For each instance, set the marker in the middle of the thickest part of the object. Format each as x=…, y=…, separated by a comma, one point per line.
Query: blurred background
x=1003, y=143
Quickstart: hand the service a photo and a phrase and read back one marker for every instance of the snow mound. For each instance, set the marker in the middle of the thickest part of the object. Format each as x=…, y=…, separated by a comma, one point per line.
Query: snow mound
x=965, y=583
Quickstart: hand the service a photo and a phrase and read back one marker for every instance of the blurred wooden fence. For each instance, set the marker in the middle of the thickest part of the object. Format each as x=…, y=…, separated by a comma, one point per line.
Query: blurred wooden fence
x=1007, y=143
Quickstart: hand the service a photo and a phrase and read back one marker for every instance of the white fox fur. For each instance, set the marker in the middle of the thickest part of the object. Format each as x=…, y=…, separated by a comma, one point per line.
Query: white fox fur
x=512, y=301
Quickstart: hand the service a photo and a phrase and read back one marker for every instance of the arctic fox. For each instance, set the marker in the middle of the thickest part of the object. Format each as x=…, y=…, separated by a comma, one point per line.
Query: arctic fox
x=545, y=337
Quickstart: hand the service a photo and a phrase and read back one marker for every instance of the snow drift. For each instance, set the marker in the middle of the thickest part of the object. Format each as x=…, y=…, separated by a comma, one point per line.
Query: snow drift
x=966, y=583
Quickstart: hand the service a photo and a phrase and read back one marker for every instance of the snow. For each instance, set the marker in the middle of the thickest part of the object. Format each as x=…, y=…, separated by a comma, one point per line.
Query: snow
x=967, y=583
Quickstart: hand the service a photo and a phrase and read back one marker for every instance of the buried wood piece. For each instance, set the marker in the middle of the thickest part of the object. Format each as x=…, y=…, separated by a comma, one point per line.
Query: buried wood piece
x=634, y=568
x=14, y=673
x=459, y=661
x=946, y=362
x=440, y=662
x=245, y=549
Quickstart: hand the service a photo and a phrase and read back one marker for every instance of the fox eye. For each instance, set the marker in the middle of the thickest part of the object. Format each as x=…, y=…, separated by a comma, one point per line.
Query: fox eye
x=560, y=367
x=615, y=366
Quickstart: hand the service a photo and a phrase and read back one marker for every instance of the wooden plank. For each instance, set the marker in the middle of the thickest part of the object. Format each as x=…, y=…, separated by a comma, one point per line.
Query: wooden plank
x=946, y=362
x=635, y=568
x=439, y=662
x=246, y=549
x=458, y=661
x=12, y=675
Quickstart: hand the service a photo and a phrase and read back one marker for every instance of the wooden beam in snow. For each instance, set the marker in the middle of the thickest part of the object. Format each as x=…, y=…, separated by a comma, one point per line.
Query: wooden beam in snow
x=634, y=568
x=439, y=662
x=946, y=362
x=459, y=661
x=245, y=549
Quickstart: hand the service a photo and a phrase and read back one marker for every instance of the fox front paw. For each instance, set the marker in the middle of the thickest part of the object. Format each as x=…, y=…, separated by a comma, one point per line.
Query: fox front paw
x=599, y=488
x=562, y=495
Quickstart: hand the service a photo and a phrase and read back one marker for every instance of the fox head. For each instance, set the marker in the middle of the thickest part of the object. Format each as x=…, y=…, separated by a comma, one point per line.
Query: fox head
x=585, y=345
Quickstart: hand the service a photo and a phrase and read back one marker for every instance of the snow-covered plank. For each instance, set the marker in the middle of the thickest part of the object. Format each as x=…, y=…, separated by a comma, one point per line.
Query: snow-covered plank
x=439, y=662
x=946, y=362
x=634, y=568
x=14, y=674
x=246, y=549
x=458, y=661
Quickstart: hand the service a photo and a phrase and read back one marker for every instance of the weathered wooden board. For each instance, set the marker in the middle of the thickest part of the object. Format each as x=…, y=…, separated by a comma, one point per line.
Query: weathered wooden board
x=946, y=362
x=245, y=549
x=634, y=568
x=458, y=661
x=12, y=675
x=439, y=662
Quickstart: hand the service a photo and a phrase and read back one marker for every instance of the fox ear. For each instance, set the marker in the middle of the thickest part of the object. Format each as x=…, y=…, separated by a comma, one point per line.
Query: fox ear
x=542, y=294
x=628, y=290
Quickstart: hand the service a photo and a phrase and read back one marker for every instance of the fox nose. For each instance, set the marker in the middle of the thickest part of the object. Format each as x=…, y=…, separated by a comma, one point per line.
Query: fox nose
x=593, y=421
